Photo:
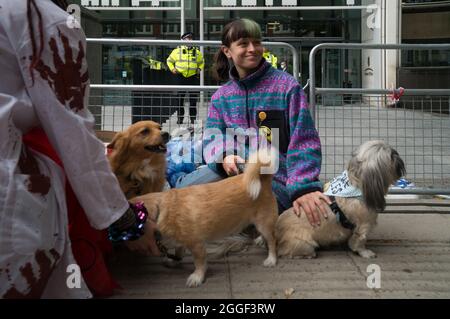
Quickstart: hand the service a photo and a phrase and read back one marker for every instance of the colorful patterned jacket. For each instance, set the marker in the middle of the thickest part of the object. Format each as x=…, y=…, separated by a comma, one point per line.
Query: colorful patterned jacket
x=238, y=104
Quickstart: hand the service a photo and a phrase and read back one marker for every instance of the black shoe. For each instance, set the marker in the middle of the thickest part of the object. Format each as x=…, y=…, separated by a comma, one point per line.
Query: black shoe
x=250, y=231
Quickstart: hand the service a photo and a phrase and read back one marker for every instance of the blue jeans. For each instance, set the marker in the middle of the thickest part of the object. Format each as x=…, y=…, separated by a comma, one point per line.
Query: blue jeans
x=202, y=175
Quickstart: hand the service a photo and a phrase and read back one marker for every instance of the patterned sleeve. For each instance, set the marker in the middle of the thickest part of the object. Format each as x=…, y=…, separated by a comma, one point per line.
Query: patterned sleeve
x=215, y=144
x=304, y=154
x=59, y=90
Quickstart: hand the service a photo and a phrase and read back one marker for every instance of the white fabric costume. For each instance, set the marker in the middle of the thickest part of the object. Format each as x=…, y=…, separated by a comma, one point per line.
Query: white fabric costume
x=34, y=243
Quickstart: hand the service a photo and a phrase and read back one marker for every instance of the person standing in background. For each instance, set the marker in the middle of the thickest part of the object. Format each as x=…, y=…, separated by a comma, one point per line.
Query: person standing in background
x=271, y=58
x=186, y=62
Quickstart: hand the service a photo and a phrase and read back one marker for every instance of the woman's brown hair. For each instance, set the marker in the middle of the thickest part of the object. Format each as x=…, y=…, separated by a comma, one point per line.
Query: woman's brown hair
x=233, y=31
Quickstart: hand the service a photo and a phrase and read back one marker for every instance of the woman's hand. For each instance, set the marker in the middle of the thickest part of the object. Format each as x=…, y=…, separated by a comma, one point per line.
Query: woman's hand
x=229, y=164
x=313, y=204
x=146, y=244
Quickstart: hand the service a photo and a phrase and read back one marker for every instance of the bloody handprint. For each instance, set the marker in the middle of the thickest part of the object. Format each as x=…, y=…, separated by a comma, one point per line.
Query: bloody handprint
x=67, y=80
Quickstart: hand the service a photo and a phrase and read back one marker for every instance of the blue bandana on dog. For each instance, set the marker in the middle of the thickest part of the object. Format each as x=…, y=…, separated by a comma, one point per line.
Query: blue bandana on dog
x=340, y=187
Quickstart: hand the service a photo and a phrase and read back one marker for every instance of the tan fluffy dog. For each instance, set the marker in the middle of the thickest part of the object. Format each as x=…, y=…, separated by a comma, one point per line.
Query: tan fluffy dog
x=137, y=157
x=197, y=214
x=372, y=169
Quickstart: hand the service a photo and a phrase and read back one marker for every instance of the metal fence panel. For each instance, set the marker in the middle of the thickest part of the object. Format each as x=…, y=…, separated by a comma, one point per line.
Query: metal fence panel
x=418, y=127
x=116, y=110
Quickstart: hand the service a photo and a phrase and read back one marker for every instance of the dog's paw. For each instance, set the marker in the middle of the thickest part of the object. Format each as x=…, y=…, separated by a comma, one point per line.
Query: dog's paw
x=367, y=253
x=260, y=242
x=194, y=280
x=270, y=261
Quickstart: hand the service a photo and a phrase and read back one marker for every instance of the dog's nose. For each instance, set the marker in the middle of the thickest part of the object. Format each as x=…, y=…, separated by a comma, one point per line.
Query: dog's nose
x=165, y=136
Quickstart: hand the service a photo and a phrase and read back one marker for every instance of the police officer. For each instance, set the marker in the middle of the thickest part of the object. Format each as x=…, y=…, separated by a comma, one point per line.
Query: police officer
x=271, y=58
x=185, y=62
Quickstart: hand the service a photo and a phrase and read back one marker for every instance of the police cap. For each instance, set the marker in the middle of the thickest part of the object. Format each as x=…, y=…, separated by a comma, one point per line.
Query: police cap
x=187, y=34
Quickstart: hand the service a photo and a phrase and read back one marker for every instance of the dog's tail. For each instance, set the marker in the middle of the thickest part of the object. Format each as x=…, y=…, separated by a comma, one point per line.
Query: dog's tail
x=260, y=168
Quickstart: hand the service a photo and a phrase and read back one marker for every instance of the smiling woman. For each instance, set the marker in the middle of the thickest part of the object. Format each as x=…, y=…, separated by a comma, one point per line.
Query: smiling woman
x=271, y=101
x=246, y=54
x=236, y=38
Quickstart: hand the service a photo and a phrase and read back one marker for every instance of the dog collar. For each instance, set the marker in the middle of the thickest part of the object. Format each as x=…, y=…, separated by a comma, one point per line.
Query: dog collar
x=340, y=216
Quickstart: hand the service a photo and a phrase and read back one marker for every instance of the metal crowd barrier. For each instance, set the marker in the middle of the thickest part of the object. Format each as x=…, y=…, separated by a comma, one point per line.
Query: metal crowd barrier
x=295, y=55
x=418, y=125
x=115, y=110
x=115, y=107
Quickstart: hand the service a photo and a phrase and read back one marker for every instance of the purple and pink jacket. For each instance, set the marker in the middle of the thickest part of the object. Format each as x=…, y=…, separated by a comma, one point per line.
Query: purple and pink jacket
x=237, y=104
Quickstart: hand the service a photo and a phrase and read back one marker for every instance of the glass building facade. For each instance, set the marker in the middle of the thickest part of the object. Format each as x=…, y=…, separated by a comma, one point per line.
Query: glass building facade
x=425, y=21
x=302, y=28
x=418, y=21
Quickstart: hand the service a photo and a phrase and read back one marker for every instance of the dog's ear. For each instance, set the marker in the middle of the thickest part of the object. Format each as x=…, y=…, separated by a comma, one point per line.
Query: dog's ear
x=374, y=184
x=119, y=146
x=114, y=141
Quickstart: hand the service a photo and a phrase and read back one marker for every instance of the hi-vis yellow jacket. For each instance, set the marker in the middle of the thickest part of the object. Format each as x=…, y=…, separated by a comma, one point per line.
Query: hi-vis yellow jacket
x=186, y=60
x=154, y=64
x=271, y=58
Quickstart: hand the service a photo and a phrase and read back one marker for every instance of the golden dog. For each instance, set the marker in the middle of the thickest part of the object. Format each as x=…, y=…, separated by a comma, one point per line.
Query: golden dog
x=373, y=168
x=137, y=157
x=197, y=214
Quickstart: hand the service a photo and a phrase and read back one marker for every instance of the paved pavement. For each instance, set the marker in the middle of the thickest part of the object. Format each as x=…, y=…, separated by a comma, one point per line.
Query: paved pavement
x=413, y=255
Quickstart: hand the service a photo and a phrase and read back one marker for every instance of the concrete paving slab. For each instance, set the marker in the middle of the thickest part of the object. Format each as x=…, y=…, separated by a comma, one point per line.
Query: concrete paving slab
x=413, y=253
x=147, y=277
x=414, y=270
x=332, y=271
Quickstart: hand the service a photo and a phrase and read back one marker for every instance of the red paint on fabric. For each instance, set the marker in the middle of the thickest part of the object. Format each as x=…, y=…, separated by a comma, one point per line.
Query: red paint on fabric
x=36, y=284
x=37, y=182
x=67, y=80
x=94, y=270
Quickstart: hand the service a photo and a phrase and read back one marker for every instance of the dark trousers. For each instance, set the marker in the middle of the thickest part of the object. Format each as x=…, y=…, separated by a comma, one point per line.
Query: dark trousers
x=191, y=95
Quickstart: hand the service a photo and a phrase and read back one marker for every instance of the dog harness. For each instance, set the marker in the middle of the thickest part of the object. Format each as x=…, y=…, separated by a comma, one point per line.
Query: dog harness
x=340, y=216
x=341, y=187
